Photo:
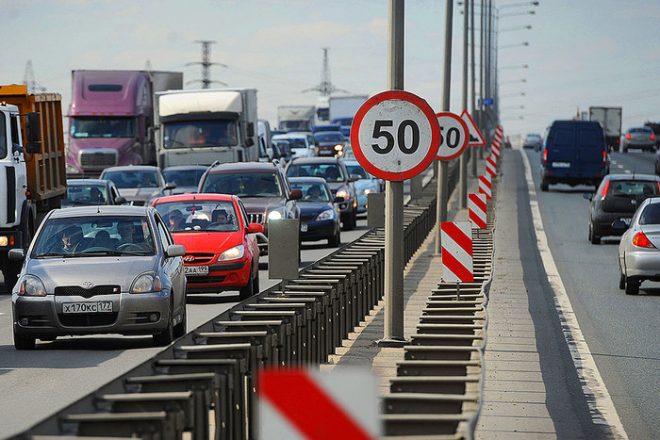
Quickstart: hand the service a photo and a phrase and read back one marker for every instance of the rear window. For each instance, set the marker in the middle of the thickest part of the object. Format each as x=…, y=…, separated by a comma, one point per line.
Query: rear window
x=640, y=130
x=633, y=188
x=651, y=215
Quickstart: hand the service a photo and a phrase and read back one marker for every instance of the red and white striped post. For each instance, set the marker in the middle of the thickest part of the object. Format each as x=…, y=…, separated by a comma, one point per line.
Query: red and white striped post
x=478, y=210
x=457, y=252
x=486, y=186
x=491, y=165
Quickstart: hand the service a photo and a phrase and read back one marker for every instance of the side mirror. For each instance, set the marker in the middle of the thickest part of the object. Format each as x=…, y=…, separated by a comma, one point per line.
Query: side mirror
x=255, y=228
x=169, y=186
x=33, y=133
x=295, y=194
x=339, y=200
x=16, y=254
x=119, y=200
x=588, y=196
x=618, y=226
x=175, y=250
x=354, y=177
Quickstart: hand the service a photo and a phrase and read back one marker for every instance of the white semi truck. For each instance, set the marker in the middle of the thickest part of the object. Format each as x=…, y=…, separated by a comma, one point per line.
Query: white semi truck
x=200, y=127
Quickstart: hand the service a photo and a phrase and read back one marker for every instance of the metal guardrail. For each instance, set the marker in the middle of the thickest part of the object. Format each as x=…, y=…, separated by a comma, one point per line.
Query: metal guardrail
x=205, y=382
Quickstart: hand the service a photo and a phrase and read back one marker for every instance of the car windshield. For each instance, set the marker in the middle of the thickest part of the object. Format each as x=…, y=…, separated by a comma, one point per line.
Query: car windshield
x=133, y=178
x=533, y=137
x=331, y=172
x=329, y=137
x=199, y=216
x=632, y=188
x=243, y=184
x=205, y=133
x=85, y=194
x=297, y=143
x=313, y=191
x=183, y=177
x=357, y=169
x=102, y=127
x=650, y=215
x=94, y=236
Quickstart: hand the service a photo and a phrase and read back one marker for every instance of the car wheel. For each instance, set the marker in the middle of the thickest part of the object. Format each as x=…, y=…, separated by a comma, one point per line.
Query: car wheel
x=351, y=219
x=247, y=291
x=624, y=150
x=335, y=241
x=24, y=342
x=544, y=185
x=632, y=286
x=166, y=336
x=593, y=238
x=622, y=281
x=181, y=328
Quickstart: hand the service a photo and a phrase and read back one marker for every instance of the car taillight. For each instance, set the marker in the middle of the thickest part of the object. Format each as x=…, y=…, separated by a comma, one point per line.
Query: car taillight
x=545, y=156
x=641, y=240
x=606, y=188
x=652, y=136
x=604, y=156
x=628, y=136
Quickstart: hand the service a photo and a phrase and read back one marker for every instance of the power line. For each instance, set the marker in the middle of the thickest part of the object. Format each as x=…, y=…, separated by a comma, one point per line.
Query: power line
x=206, y=64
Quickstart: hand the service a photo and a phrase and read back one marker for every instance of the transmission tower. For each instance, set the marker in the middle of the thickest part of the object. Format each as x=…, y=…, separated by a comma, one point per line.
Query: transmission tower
x=28, y=79
x=325, y=87
x=206, y=64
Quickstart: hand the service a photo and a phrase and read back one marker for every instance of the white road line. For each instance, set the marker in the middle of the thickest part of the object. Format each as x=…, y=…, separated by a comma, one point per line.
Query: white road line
x=626, y=171
x=600, y=403
x=614, y=162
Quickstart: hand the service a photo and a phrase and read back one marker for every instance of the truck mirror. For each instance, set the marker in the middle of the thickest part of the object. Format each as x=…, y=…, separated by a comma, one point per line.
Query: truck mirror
x=33, y=133
x=249, y=142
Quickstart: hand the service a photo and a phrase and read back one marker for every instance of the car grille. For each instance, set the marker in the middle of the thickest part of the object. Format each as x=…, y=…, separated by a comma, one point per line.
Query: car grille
x=197, y=258
x=256, y=218
x=87, y=319
x=97, y=160
x=205, y=280
x=308, y=217
x=87, y=293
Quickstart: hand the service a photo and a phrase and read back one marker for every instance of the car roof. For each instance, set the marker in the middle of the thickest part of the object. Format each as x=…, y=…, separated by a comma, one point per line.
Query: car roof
x=100, y=210
x=650, y=177
x=351, y=162
x=197, y=196
x=133, y=168
x=74, y=182
x=186, y=167
x=312, y=160
x=307, y=179
x=242, y=166
x=329, y=132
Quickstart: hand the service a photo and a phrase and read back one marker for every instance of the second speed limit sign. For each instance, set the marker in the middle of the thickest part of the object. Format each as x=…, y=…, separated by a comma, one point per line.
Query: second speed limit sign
x=454, y=135
x=395, y=135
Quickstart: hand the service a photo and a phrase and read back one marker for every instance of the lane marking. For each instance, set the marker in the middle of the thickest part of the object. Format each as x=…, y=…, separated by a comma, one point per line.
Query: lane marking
x=599, y=400
x=626, y=171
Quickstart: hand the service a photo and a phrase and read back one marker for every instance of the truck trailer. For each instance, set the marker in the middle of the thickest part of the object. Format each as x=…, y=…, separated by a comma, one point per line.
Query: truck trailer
x=296, y=117
x=200, y=127
x=610, y=119
x=32, y=171
x=343, y=109
x=111, y=118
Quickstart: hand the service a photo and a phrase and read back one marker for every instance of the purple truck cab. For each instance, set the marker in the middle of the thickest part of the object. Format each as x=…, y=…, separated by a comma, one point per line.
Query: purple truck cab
x=111, y=118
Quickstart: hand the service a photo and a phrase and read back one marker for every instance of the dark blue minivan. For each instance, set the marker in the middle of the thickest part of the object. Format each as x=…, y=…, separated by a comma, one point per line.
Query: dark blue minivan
x=574, y=153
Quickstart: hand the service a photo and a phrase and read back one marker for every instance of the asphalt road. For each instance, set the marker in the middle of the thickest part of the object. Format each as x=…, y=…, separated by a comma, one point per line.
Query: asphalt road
x=622, y=331
x=35, y=384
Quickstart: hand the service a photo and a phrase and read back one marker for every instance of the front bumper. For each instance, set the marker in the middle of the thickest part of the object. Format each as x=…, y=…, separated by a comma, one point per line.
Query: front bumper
x=131, y=314
x=318, y=230
x=222, y=276
x=644, y=264
x=602, y=224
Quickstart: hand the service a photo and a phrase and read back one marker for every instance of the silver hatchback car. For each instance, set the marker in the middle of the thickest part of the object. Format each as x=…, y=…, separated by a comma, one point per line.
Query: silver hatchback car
x=639, y=250
x=97, y=270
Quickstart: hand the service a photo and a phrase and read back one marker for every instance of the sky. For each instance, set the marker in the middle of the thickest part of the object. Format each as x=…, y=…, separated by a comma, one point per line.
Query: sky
x=580, y=52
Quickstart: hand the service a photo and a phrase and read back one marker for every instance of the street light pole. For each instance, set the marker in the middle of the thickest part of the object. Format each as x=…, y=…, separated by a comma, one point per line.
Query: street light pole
x=482, y=76
x=443, y=178
x=473, y=153
x=465, y=155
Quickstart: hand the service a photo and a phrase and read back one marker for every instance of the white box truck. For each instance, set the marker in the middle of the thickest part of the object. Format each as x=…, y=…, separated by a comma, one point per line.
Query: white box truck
x=296, y=117
x=610, y=119
x=343, y=109
x=200, y=127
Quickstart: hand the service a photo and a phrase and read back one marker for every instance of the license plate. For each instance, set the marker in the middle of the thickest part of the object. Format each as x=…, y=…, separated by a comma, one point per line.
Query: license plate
x=87, y=307
x=626, y=220
x=196, y=271
x=561, y=164
x=303, y=227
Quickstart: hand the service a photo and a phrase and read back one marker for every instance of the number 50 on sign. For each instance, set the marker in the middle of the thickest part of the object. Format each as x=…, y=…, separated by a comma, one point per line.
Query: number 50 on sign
x=395, y=135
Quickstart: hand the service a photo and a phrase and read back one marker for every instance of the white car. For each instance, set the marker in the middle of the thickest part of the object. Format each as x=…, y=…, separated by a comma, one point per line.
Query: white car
x=300, y=144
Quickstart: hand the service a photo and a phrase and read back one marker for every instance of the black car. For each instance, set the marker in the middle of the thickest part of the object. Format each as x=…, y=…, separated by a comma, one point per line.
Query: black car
x=330, y=143
x=80, y=192
x=262, y=187
x=341, y=183
x=185, y=177
x=319, y=217
x=617, y=198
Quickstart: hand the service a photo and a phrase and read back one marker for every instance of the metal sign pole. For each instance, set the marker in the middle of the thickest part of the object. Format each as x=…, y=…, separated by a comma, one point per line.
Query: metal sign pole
x=443, y=180
x=473, y=108
x=394, y=196
x=465, y=155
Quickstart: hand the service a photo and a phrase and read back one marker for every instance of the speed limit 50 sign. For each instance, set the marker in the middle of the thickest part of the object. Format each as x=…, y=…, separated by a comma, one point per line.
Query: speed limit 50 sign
x=395, y=135
x=454, y=135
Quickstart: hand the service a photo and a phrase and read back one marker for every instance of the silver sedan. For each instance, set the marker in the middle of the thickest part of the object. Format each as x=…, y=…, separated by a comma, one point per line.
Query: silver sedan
x=97, y=270
x=639, y=250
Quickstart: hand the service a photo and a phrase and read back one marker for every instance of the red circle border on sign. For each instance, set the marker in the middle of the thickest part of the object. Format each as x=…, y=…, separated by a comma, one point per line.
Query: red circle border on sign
x=467, y=135
x=401, y=96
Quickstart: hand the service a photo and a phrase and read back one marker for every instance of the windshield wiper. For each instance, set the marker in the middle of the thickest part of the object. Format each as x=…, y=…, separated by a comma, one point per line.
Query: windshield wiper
x=51, y=254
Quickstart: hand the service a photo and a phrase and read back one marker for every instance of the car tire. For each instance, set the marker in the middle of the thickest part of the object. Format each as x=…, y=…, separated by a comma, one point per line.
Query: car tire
x=622, y=281
x=24, y=342
x=350, y=222
x=545, y=186
x=166, y=336
x=181, y=328
x=632, y=286
x=593, y=238
x=247, y=291
x=335, y=241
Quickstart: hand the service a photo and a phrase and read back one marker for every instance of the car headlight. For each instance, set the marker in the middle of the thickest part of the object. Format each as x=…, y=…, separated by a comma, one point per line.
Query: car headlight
x=145, y=283
x=274, y=215
x=339, y=147
x=367, y=191
x=31, y=286
x=233, y=254
x=328, y=214
x=344, y=193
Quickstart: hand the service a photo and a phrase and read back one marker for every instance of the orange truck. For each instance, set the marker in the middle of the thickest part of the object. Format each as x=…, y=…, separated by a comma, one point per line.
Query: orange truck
x=32, y=169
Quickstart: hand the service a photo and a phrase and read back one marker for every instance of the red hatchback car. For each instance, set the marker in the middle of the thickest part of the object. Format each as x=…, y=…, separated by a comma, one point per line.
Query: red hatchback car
x=221, y=248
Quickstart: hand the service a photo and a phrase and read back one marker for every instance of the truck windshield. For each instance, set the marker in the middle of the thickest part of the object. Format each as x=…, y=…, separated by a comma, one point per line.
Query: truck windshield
x=3, y=135
x=194, y=134
x=295, y=125
x=102, y=127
